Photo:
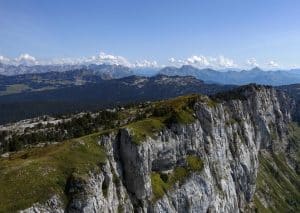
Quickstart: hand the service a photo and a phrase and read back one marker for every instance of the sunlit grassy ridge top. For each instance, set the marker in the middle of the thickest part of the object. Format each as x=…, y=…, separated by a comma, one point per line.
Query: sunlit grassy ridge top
x=35, y=175
x=163, y=114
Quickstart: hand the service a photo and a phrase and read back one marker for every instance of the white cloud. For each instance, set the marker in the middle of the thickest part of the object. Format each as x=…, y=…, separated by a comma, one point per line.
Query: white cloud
x=145, y=63
x=62, y=61
x=172, y=60
x=273, y=64
x=251, y=62
x=3, y=59
x=104, y=58
x=26, y=59
x=101, y=58
x=203, y=61
x=200, y=61
x=223, y=62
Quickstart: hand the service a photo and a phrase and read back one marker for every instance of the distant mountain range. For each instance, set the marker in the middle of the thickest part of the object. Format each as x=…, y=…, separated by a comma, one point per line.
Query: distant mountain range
x=56, y=89
x=100, y=94
x=48, y=80
x=255, y=75
x=105, y=71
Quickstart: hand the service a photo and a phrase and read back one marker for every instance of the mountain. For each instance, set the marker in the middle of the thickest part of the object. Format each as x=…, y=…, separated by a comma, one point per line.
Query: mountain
x=8, y=69
x=49, y=80
x=228, y=76
x=234, y=152
x=102, y=93
x=295, y=71
x=294, y=91
x=255, y=75
x=203, y=74
x=108, y=71
x=146, y=71
x=32, y=74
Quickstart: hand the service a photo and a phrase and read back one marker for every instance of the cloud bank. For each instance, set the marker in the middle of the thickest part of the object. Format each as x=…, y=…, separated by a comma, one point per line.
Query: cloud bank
x=273, y=64
x=199, y=61
x=101, y=58
x=24, y=59
x=251, y=62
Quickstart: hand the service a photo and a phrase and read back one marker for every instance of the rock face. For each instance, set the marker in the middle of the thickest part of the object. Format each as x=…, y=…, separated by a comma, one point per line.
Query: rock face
x=227, y=136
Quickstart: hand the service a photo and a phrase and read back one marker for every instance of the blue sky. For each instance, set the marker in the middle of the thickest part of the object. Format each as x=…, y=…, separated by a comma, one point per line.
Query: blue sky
x=220, y=33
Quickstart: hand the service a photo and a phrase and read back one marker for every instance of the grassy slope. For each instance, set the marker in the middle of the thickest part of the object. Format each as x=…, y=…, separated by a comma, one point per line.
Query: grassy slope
x=14, y=88
x=164, y=113
x=277, y=182
x=35, y=175
x=162, y=182
x=142, y=129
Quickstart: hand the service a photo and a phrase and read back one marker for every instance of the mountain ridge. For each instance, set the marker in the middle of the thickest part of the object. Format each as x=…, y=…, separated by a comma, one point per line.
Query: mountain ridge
x=230, y=76
x=255, y=75
x=232, y=154
x=103, y=93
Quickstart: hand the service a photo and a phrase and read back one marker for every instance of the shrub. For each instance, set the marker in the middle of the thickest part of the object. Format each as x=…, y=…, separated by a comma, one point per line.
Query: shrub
x=142, y=129
x=194, y=163
x=159, y=187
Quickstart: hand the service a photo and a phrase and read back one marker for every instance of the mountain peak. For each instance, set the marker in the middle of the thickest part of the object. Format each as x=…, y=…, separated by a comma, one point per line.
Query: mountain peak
x=188, y=67
x=256, y=69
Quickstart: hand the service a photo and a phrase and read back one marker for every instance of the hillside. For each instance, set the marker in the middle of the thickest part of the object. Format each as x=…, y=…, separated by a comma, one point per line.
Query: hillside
x=101, y=94
x=234, y=152
x=294, y=91
x=255, y=75
x=22, y=78
x=27, y=71
x=41, y=78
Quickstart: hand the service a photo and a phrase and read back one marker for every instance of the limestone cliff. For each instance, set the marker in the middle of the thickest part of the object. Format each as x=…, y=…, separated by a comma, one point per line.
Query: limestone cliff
x=210, y=163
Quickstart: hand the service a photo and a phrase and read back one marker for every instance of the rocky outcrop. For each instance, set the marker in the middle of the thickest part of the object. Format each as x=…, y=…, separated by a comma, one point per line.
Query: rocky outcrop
x=53, y=205
x=227, y=136
x=98, y=192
